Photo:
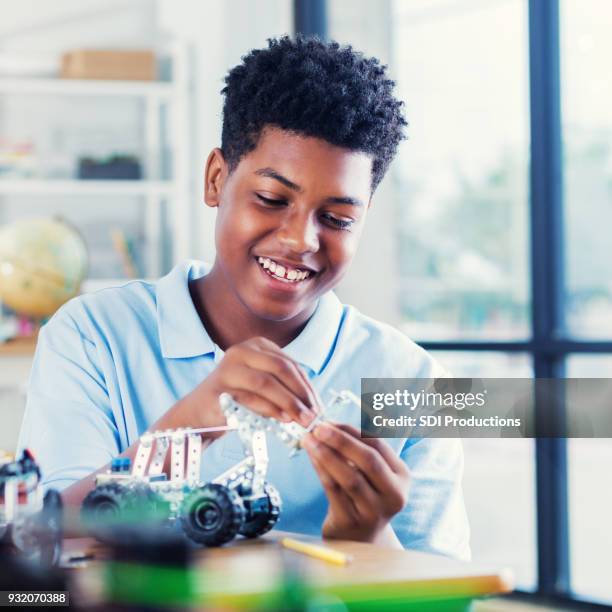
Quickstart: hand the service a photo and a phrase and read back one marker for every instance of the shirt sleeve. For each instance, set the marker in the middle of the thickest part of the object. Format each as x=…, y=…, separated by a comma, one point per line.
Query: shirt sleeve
x=434, y=519
x=68, y=422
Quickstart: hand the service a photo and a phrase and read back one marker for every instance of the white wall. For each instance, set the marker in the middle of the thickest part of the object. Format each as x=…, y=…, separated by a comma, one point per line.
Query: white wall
x=36, y=27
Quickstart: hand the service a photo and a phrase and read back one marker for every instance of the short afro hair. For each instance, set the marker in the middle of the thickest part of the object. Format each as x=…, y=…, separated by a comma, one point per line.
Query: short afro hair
x=317, y=89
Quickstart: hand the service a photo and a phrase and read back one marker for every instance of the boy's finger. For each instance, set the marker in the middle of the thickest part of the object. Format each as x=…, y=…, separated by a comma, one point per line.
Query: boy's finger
x=367, y=459
x=312, y=397
x=337, y=498
x=269, y=387
x=259, y=404
x=394, y=462
x=351, y=481
x=267, y=345
x=283, y=368
x=315, y=399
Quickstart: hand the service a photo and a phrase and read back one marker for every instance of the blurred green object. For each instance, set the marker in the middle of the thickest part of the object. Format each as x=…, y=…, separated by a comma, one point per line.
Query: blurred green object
x=150, y=568
x=43, y=262
x=143, y=586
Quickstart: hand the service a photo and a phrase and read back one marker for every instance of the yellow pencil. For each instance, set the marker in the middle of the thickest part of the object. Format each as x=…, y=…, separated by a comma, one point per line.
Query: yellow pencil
x=318, y=552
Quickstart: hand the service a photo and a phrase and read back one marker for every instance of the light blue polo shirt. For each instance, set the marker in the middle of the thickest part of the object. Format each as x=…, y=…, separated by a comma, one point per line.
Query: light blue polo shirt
x=109, y=364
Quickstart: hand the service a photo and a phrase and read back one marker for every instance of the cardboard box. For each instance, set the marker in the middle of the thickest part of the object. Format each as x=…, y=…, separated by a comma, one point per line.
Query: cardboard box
x=112, y=65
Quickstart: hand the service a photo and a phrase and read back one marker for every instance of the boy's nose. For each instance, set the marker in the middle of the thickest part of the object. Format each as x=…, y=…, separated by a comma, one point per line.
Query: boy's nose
x=299, y=233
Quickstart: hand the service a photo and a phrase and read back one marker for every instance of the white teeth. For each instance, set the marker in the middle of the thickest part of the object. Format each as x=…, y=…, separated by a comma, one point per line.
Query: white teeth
x=282, y=273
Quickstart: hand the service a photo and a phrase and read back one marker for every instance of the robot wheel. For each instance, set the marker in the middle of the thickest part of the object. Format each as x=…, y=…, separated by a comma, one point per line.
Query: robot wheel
x=212, y=515
x=262, y=513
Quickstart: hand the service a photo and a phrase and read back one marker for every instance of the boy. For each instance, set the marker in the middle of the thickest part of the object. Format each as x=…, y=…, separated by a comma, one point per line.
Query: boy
x=309, y=130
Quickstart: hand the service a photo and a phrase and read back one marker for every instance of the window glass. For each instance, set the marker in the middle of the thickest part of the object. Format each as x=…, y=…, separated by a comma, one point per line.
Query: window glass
x=586, y=49
x=499, y=479
x=590, y=497
x=462, y=178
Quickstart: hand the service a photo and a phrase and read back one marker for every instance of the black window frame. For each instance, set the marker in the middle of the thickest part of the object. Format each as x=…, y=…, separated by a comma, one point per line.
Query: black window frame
x=549, y=345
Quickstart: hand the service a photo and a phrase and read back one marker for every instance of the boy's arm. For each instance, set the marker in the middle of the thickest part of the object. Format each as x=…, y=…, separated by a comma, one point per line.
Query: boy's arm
x=74, y=495
x=68, y=424
x=71, y=422
x=435, y=518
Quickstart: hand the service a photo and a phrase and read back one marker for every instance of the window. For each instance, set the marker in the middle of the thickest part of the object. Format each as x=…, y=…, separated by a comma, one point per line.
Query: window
x=460, y=191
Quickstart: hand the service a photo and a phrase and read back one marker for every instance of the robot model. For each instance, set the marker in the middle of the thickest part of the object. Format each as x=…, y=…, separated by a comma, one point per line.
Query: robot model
x=238, y=501
x=29, y=521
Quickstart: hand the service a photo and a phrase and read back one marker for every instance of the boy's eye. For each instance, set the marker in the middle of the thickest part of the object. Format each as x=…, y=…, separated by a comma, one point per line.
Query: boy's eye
x=335, y=222
x=343, y=224
x=270, y=201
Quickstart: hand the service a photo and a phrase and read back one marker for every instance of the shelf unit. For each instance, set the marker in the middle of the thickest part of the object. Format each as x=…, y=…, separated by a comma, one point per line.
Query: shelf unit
x=86, y=187
x=88, y=87
x=154, y=188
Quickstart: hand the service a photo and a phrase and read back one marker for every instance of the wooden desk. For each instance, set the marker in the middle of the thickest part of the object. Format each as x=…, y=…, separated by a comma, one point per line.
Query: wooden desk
x=20, y=347
x=244, y=575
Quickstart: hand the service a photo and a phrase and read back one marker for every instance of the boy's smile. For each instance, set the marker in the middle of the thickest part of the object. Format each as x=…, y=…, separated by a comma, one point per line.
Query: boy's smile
x=285, y=272
x=289, y=219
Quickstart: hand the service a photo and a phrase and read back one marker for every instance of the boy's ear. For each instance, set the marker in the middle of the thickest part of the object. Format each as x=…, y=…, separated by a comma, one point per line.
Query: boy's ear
x=215, y=174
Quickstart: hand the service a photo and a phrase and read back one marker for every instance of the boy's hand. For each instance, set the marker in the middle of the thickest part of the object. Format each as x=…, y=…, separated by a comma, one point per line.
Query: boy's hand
x=364, y=480
x=257, y=374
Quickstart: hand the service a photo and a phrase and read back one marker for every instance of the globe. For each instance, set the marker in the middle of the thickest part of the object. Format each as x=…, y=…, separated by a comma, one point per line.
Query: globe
x=43, y=262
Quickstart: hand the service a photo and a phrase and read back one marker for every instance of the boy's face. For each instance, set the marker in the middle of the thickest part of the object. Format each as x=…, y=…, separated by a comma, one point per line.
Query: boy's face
x=289, y=220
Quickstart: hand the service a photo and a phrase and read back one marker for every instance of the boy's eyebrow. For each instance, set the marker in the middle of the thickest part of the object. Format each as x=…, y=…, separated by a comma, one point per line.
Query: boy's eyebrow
x=271, y=173
x=345, y=200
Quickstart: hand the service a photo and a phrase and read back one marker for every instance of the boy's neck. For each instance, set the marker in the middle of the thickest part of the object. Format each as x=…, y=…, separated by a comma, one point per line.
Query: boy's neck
x=228, y=321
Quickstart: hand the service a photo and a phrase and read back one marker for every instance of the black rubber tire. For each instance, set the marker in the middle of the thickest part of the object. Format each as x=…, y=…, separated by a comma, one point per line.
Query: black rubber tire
x=212, y=515
x=51, y=528
x=112, y=503
x=261, y=521
x=103, y=504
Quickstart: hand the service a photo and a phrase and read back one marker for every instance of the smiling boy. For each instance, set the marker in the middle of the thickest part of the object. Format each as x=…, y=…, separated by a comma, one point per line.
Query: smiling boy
x=309, y=130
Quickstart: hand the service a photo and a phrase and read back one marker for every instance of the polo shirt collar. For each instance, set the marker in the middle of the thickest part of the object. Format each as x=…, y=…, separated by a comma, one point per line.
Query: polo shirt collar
x=182, y=334
x=315, y=344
